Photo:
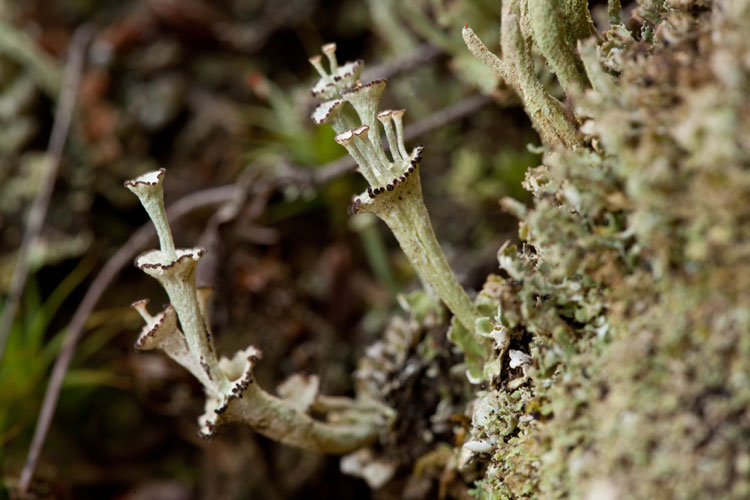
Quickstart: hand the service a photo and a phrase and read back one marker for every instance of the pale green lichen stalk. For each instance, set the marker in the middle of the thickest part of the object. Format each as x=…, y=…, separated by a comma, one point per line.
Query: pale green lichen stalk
x=232, y=395
x=552, y=38
x=553, y=28
x=395, y=193
x=175, y=271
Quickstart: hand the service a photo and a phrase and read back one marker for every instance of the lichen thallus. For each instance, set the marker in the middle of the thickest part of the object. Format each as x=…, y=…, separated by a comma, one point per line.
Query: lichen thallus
x=394, y=193
x=232, y=394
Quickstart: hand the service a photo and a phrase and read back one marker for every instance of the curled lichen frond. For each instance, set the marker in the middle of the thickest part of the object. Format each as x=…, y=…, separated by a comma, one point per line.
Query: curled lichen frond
x=493, y=330
x=335, y=113
x=325, y=112
x=483, y=437
x=376, y=471
x=238, y=371
x=300, y=391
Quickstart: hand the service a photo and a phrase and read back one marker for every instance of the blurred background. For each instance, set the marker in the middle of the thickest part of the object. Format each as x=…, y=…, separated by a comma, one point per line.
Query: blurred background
x=218, y=94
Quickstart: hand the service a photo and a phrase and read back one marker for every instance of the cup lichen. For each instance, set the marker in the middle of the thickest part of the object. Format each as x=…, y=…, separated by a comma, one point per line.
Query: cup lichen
x=232, y=394
x=394, y=193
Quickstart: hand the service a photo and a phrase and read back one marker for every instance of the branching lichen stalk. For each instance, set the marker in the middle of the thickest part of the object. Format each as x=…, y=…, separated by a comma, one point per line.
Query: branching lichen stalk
x=275, y=419
x=517, y=69
x=552, y=38
x=395, y=194
x=232, y=395
x=547, y=112
x=579, y=23
x=410, y=223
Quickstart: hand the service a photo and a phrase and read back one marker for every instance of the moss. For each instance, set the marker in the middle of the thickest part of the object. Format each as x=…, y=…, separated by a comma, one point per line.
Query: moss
x=631, y=291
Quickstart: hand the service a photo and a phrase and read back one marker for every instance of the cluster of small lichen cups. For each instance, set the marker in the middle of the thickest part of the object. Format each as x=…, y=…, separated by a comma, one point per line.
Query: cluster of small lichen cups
x=232, y=395
x=394, y=193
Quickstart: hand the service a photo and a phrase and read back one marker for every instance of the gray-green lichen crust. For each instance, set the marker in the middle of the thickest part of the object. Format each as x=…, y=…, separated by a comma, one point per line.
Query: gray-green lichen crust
x=631, y=293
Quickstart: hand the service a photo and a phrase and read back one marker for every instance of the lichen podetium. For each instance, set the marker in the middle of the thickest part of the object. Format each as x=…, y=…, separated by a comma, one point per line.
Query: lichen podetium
x=394, y=193
x=232, y=394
